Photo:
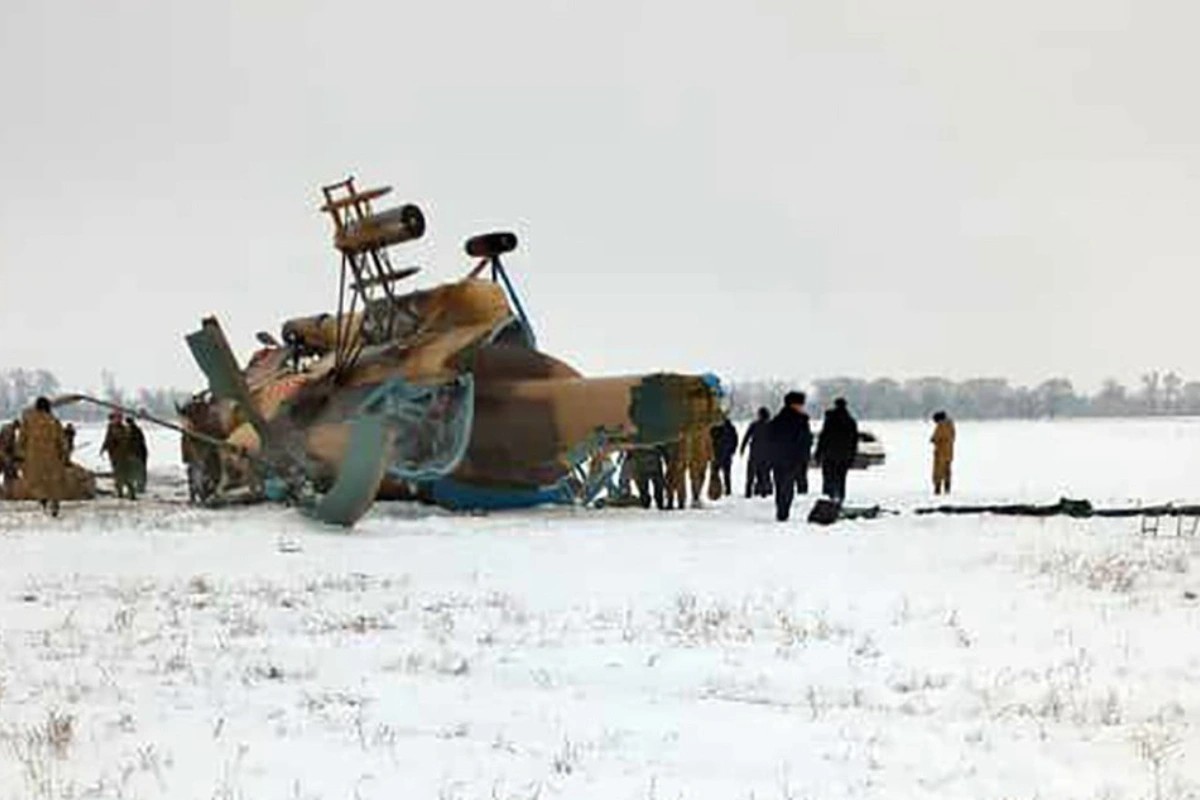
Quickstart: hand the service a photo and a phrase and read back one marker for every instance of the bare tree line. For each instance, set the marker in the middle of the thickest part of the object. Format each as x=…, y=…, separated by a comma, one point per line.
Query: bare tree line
x=19, y=387
x=1158, y=394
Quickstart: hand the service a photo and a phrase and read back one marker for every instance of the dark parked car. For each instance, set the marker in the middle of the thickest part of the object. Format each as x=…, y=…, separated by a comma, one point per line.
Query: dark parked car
x=870, y=451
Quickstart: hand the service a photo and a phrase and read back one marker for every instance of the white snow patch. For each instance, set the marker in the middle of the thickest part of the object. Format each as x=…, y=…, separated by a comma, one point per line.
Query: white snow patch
x=150, y=650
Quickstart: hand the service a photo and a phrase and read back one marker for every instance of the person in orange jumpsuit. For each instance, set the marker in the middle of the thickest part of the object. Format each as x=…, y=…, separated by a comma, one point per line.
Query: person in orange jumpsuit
x=943, y=452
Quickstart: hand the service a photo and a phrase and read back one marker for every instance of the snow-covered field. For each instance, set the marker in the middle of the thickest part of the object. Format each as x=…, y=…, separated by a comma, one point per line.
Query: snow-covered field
x=151, y=650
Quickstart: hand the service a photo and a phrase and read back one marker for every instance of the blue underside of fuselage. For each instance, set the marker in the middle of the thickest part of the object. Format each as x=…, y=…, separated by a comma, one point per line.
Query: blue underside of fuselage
x=460, y=496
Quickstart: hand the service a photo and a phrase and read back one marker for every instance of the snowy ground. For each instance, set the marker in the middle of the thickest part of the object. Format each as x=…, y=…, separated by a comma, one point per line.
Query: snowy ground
x=156, y=651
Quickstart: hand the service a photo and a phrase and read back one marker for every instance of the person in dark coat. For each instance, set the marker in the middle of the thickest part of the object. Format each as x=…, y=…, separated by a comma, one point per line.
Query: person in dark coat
x=142, y=455
x=790, y=438
x=758, y=468
x=725, y=445
x=69, y=432
x=119, y=446
x=9, y=459
x=674, y=474
x=836, y=448
x=802, y=470
x=648, y=475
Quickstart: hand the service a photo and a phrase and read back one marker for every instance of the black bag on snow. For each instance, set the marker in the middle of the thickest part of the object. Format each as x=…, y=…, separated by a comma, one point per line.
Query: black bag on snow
x=824, y=512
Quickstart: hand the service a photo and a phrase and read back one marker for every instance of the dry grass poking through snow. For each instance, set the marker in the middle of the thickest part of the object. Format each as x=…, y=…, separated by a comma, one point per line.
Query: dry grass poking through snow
x=946, y=659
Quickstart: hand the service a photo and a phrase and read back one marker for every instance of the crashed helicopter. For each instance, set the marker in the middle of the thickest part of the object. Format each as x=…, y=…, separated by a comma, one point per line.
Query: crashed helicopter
x=439, y=395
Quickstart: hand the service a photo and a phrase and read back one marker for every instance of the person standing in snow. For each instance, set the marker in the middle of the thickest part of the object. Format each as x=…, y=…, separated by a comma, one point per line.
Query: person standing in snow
x=69, y=432
x=725, y=444
x=943, y=451
x=790, y=439
x=697, y=454
x=42, y=447
x=625, y=475
x=648, y=475
x=9, y=461
x=758, y=468
x=675, y=479
x=837, y=445
x=140, y=454
x=118, y=444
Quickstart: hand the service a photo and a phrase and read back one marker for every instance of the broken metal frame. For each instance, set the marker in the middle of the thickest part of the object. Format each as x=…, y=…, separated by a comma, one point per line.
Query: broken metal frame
x=396, y=406
x=499, y=275
x=362, y=269
x=437, y=417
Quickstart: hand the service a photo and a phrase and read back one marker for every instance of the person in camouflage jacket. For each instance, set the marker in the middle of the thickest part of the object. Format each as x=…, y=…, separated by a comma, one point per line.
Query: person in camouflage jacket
x=697, y=455
x=42, y=447
x=122, y=455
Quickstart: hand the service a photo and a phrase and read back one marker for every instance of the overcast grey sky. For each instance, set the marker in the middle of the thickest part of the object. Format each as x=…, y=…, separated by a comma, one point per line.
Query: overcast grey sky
x=781, y=187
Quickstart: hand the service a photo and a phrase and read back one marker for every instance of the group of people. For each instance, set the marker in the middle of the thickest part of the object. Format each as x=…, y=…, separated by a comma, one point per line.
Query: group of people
x=662, y=474
x=781, y=447
x=780, y=452
x=36, y=451
x=37, y=448
x=779, y=458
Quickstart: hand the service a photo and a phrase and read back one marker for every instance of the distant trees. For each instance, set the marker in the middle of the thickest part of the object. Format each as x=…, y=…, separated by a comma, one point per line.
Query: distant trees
x=1056, y=397
x=982, y=398
x=1112, y=400
x=20, y=387
x=881, y=398
x=1150, y=391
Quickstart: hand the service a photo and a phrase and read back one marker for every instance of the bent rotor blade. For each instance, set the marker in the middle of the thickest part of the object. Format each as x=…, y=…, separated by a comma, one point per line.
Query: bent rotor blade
x=215, y=358
x=360, y=475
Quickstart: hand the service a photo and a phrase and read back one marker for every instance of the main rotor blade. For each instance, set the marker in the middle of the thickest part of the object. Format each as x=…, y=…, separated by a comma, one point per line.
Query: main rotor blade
x=214, y=356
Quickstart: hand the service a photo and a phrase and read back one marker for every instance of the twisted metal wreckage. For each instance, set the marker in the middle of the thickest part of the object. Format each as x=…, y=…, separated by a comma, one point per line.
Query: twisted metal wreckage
x=439, y=395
